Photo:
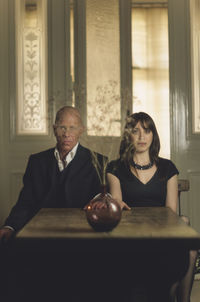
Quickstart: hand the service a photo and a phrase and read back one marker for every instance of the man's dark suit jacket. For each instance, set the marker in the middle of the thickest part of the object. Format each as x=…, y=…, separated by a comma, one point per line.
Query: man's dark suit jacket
x=45, y=186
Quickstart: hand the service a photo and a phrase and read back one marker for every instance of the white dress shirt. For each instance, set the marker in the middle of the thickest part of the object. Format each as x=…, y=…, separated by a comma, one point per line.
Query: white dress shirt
x=63, y=163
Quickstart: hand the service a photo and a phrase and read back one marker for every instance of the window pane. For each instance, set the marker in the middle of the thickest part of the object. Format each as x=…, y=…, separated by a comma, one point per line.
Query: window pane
x=150, y=68
x=31, y=66
x=103, y=67
x=195, y=62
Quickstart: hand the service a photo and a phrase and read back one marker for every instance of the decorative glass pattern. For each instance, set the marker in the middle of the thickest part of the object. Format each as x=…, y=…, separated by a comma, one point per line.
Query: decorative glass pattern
x=31, y=66
x=103, y=68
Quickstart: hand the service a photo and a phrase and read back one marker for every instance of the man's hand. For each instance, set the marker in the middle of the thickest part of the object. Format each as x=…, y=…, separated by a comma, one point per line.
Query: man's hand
x=6, y=234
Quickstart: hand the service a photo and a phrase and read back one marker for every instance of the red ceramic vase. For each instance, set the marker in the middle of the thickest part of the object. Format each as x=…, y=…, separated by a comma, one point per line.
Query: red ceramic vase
x=103, y=212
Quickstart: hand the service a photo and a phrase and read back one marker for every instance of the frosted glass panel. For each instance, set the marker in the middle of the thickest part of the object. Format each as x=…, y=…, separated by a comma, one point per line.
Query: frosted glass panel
x=31, y=66
x=103, y=67
x=150, y=69
x=195, y=62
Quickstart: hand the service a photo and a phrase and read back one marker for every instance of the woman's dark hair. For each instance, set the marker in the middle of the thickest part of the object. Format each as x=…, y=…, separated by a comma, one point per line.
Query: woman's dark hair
x=126, y=147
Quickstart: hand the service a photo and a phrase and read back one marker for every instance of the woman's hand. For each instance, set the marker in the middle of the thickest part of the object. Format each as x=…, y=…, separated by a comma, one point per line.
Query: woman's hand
x=123, y=205
x=102, y=205
x=115, y=190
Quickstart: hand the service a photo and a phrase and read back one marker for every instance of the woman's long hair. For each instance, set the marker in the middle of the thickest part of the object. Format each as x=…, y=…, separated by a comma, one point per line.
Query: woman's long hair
x=127, y=150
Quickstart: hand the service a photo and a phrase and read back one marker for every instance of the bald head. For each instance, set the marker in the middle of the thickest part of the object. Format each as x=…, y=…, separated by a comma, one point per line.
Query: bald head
x=68, y=128
x=68, y=110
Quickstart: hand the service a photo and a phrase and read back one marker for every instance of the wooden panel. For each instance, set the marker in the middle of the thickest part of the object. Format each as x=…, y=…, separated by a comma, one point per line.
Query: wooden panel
x=194, y=199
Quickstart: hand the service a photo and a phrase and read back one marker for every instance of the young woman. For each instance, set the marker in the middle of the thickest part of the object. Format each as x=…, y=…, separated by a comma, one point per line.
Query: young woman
x=141, y=178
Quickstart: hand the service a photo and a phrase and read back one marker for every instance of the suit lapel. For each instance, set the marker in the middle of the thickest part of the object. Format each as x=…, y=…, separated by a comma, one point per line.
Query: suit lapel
x=52, y=174
x=79, y=162
x=81, y=157
x=52, y=167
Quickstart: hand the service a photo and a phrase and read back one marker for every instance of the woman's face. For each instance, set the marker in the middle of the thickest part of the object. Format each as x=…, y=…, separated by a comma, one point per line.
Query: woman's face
x=141, y=138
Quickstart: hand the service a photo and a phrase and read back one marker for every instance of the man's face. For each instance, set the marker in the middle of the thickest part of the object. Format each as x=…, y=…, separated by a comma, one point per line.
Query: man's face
x=67, y=132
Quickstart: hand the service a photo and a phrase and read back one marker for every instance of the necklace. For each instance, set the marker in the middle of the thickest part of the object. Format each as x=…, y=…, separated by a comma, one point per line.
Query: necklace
x=138, y=167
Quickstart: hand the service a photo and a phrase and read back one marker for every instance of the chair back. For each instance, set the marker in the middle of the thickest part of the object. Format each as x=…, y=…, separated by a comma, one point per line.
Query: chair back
x=183, y=186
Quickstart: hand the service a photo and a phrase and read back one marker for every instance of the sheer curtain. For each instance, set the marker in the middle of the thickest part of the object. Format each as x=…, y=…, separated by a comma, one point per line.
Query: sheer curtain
x=150, y=68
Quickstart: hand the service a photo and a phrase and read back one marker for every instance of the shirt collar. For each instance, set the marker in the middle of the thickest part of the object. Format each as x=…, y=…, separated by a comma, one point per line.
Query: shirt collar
x=69, y=157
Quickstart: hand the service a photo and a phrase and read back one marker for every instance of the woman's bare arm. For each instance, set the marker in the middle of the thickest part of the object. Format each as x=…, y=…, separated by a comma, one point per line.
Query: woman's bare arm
x=115, y=190
x=172, y=193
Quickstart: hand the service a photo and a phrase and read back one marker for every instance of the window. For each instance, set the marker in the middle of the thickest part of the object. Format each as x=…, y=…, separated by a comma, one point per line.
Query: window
x=195, y=56
x=105, y=105
x=103, y=67
x=31, y=66
x=150, y=72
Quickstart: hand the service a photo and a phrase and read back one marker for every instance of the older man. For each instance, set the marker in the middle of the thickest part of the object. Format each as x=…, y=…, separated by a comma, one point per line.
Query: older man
x=61, y=177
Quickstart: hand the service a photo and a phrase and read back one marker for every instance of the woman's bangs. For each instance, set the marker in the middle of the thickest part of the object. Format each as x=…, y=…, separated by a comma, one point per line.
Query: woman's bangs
x=147, y=124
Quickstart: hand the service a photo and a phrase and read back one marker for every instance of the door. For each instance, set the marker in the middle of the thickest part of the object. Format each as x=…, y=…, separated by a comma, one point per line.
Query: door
x=89, y=80
x=16, y=146
x=185, y=142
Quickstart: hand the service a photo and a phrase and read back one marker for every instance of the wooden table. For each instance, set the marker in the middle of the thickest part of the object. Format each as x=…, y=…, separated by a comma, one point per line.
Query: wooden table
x=139, y=229
x=58, y=245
